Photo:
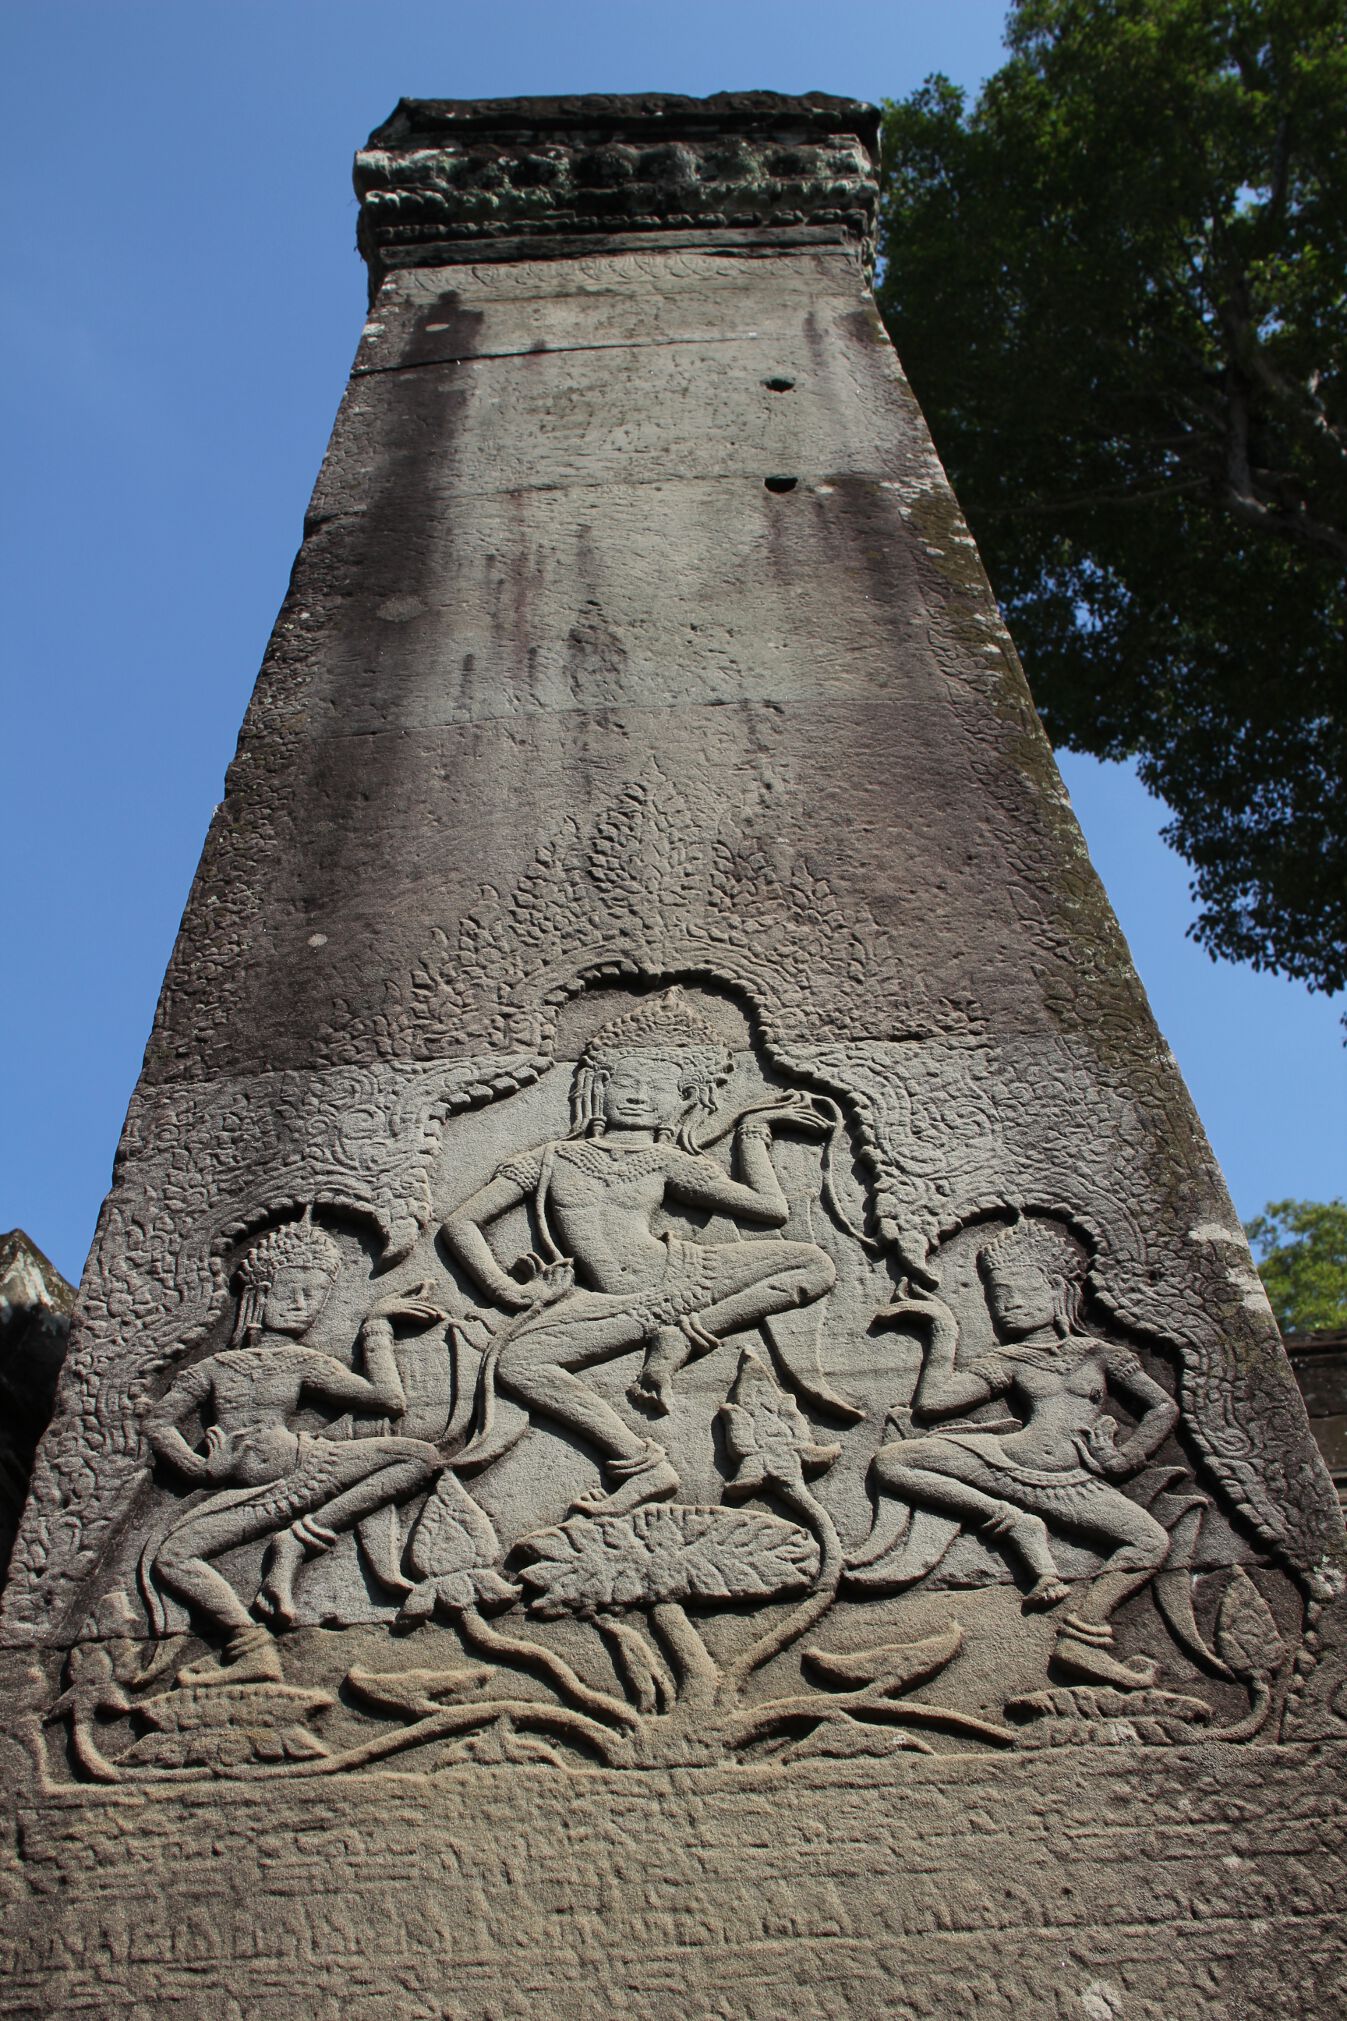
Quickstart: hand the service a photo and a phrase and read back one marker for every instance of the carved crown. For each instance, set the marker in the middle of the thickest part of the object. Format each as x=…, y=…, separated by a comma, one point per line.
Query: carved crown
x=666, y=1025
x=1044, y=1246
x=294, y=1245
x=443, y=177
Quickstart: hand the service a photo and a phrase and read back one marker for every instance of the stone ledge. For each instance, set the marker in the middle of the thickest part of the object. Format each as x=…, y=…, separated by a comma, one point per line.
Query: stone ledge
x=477, y=170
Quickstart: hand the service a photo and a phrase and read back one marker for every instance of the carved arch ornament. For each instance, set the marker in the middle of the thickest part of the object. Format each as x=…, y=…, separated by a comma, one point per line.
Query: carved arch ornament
x=806, y=1460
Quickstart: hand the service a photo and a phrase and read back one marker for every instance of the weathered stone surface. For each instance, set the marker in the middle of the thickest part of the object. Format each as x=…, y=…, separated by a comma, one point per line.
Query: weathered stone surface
x=470, y=170
x=1139, y=1883
x=667, y=1353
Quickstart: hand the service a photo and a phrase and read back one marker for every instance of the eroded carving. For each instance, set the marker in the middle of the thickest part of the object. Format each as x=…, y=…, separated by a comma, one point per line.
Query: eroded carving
x=358, y=1140
x=1054, y=1467
x=639, y=1266
x=438, y=171
x=658, y=881
x=296, y=1490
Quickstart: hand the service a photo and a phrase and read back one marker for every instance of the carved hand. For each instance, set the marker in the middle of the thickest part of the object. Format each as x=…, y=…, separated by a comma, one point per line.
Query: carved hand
x=794, y=1111
x=1099, y=1448
x=414, y=1304
x=551, y=1282
x=217, y=1445
x=930, y=1309
x=171, y=1447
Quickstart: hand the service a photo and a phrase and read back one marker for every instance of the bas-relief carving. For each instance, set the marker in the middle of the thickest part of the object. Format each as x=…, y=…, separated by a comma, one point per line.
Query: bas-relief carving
x=297, y=1491
x=1096, y=1116
x=608, y=1280
x=659, y=881
x=199, y=1168
x=662, y=1453
x=949, y=1116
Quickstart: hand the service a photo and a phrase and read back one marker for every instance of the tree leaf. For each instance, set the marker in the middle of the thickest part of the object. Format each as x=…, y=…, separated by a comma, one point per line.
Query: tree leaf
x=1116, y=285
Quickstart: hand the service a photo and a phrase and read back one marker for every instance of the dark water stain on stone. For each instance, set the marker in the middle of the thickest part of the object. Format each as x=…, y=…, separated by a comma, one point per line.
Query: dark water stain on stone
x=443, y=330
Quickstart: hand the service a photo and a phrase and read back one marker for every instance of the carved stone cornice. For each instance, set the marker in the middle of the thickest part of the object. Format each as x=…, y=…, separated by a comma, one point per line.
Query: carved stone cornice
x=444, y=175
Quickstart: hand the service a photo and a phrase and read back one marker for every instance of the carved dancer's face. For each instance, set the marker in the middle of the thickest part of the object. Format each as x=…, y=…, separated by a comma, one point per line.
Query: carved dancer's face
x=295, y=1298
x=1022, y=1298
x=645, y=1092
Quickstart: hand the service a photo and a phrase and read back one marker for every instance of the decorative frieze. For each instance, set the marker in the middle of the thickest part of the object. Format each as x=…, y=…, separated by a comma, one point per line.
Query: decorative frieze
x=442, y=171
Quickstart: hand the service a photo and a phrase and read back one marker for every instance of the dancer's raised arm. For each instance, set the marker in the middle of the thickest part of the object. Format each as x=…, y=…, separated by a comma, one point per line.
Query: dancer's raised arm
x=943, y=1389
x=755, y=1195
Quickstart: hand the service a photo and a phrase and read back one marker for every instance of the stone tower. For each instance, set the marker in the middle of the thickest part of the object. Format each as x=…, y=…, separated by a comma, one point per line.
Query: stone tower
x=669, y=1414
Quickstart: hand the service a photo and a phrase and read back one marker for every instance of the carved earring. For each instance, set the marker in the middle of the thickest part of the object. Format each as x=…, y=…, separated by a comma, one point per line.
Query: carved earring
x=251, y=1301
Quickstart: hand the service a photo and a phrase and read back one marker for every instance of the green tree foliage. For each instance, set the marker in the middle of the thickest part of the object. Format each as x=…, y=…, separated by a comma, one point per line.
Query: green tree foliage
x=1119, y=286
x=1301, y=1247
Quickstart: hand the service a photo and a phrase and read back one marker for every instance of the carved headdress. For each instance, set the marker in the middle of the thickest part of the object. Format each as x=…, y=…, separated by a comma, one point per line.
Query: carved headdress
x=662, y=1027
x=1048, y=1248
x=293, y=1245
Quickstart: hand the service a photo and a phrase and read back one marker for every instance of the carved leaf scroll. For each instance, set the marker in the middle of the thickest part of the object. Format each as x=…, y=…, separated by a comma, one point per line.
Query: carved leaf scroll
x=658, y=882
x=890, y=1669
x=667, y=1553
x=225, y=1727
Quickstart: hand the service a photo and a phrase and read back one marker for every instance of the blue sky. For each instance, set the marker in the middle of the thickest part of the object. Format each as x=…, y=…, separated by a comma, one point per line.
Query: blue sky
x=184, y=299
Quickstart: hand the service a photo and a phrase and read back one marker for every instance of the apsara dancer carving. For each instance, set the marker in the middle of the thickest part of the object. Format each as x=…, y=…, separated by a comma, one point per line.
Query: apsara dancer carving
x=298, y=1489
x=1054, y=1467
x=607, y=1281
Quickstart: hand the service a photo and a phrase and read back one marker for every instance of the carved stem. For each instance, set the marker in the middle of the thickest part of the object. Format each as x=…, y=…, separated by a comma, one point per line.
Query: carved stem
x=639, y=1664
x=817, y=1603
x=759, y=1720
x=1255, y=1719
x=515, y=1649
x=917, y=1712
x=696, y=1670
x=88, y=1753
x=1173, y=1594
x=457, y=1719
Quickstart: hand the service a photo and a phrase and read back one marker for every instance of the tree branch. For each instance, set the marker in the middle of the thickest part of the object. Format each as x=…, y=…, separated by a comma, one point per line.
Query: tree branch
x=1296, y=526
x=1040, y=507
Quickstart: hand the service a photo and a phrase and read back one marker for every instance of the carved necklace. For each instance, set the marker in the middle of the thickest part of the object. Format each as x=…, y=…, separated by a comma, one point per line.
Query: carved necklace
x=599, y=1159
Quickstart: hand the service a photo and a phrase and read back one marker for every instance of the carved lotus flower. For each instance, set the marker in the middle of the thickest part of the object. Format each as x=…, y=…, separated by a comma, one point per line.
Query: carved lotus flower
x=664, y=1552
x=456, y=1551
x=767, y=1435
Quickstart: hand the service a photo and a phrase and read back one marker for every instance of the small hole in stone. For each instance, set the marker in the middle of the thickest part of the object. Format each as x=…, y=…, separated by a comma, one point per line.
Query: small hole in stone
x=779, y=385
x=781, y=483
